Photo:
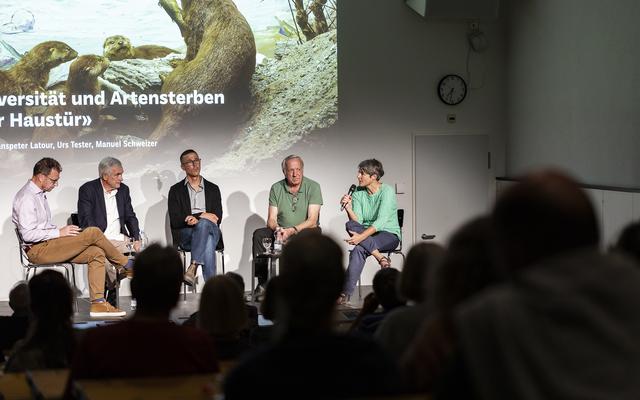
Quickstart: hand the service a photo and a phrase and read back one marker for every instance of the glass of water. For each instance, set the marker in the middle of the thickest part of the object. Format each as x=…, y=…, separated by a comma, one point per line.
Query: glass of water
x=266, y=242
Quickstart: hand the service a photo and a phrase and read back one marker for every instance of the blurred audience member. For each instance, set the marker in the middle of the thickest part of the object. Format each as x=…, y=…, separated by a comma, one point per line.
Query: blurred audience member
x=567, y=324
x=465, y=270
x=50, y=341
x=629, y=241
x=401, y=325
x=150, y=344
x=384, y=296
x=14, y=327
x=223, y=315
x=264, y=334
x=308, y=359
x=252, y=311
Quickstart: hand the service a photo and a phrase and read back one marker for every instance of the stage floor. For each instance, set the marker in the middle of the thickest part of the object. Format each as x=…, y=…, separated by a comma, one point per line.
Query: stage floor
x=184, y=309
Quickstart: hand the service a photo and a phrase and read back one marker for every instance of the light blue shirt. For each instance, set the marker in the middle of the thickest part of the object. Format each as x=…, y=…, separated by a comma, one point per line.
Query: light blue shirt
x=32, y=215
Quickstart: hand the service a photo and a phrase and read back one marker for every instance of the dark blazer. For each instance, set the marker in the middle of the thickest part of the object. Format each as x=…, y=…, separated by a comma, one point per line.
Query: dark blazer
x=92, y=210
x=180, y=206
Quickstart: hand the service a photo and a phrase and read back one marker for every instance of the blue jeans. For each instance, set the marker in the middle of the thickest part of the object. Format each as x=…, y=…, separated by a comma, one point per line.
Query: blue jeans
x=202, y=239
x=381, y=241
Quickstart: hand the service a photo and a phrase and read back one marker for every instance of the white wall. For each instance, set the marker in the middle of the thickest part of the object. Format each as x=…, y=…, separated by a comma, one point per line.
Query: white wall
x=390, y=61
x=573, y=70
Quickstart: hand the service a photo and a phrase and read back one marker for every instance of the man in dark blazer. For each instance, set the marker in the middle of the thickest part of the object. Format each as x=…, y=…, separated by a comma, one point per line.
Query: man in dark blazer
x=105, y=203
x=195, y=212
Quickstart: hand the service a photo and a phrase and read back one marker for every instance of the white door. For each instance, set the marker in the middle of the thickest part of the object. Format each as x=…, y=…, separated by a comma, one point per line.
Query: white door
x=452, y=182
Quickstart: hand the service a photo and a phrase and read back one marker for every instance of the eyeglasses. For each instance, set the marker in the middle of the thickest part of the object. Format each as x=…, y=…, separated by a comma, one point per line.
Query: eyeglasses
x=294, y=201
x=54, y=181
x=193, y=163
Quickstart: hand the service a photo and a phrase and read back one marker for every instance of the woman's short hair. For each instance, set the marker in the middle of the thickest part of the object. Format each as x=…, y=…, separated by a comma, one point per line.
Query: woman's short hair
x=371, y=167
x=222, y=310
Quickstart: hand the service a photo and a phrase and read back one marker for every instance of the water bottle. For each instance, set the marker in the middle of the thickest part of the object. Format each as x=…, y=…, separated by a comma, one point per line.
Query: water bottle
x=277, y=245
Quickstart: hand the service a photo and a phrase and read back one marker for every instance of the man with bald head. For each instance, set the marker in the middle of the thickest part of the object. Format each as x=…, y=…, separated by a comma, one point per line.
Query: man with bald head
x=566, y=322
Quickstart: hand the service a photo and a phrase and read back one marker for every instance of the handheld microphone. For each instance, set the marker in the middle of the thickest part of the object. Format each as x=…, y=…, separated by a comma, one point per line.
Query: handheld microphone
x=352, y=189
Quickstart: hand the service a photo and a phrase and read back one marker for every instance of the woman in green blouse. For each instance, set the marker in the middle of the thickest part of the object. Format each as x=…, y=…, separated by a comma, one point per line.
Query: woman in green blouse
x=373, y=222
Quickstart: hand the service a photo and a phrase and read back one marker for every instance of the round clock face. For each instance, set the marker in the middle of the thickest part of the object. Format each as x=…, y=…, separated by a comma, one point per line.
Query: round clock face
x=452, y=89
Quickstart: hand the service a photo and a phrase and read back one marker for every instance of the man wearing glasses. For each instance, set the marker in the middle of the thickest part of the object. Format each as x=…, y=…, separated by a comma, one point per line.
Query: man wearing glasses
x=195, y=212
x=48, y=244
x=294, y=205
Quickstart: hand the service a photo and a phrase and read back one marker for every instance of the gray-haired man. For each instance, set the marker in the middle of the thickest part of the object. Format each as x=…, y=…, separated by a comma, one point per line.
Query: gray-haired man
x=105, y=203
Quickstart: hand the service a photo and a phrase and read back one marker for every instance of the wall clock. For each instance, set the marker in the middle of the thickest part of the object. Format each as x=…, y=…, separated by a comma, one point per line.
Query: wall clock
x=452, y=89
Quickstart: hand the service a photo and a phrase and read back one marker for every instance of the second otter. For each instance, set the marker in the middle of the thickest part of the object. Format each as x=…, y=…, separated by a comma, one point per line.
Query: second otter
x=118, y=47
x=82, y=80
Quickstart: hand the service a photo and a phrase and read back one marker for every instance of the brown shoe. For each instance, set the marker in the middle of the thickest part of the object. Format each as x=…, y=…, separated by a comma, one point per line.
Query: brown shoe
x=104, y=309
x=190, y=276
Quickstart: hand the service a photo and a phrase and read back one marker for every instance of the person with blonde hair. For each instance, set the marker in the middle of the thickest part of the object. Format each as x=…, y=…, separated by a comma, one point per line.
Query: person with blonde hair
x=223, y=315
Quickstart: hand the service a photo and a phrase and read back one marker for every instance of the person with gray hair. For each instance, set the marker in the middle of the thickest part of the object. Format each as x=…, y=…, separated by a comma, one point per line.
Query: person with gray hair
x=105, y=203
x=294, y=205
x=46, y=243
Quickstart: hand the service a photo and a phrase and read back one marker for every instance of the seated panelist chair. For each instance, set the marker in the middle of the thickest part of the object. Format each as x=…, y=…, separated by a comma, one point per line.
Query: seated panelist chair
x=175, y=237
x=397, y=250
x=68, y=266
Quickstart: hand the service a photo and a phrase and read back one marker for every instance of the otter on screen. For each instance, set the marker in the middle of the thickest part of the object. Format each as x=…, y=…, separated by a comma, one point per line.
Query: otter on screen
x=118, y=47
x=82, y=80
x=31, y=73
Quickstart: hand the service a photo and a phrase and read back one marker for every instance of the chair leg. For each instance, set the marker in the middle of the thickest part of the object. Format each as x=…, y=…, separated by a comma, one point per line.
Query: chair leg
x=253, y=280
x=184, y=271
x=74, y=288
x=222, y=254
x=194, y=288
x=359, y=289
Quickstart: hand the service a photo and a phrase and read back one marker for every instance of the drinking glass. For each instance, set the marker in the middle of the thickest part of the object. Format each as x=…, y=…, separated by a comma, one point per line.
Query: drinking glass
x=266, y=242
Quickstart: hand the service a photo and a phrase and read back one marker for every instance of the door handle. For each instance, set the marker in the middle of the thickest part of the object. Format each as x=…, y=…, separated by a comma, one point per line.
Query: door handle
x=427, y=237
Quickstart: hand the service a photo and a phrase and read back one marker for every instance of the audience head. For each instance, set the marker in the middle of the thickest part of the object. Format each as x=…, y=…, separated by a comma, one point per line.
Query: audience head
x=385, y=282
x=421, y=260
x=467, y=266
x=544, y=215
x=629, y=241
x=19, y=299
x=237, y=278
x=51, y=300
x=157, y=277
x=311, y=279
x=222, y=311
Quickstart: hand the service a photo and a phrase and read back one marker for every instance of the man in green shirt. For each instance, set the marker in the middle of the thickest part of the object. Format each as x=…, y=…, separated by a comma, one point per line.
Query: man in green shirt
x=294, y=205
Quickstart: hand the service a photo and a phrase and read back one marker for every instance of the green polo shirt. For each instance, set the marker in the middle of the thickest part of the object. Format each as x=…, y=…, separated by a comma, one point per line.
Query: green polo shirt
x=292, y=209
x=379, y=209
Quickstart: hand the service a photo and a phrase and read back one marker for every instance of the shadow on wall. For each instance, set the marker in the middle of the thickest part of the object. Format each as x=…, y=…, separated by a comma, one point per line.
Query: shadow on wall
x=238, y=206
x=155, y=187
x=67, y=203
x=8, y=237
